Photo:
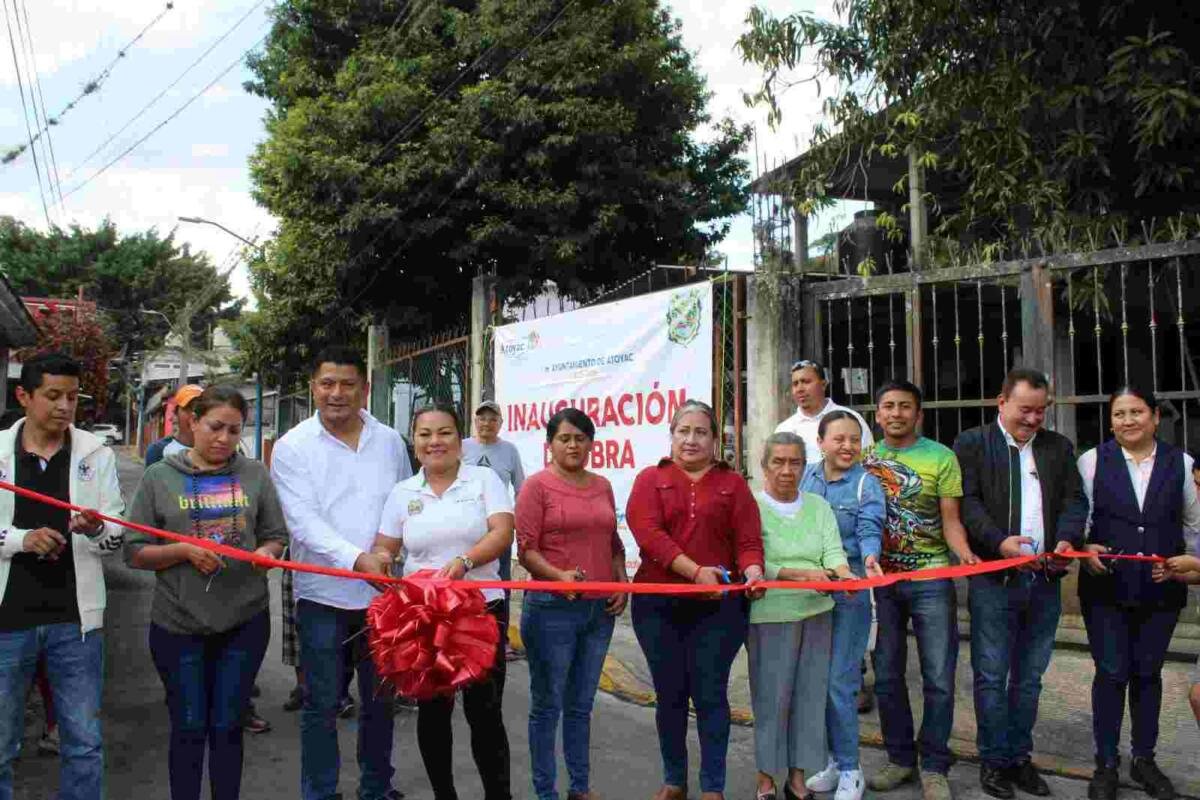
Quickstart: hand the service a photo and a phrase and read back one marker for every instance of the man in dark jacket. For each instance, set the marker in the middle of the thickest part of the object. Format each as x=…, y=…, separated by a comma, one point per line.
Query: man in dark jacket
x=1021, y=495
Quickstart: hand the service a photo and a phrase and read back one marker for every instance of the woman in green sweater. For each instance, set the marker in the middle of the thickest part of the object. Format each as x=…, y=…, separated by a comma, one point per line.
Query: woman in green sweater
x=791, y=630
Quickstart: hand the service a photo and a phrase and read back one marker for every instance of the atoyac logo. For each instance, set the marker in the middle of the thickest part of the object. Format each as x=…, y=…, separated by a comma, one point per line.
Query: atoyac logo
x=683, y=317
x=521, y=346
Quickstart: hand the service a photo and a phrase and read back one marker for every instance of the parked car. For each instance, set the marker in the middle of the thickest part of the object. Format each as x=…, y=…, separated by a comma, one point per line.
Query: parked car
x=110, y=434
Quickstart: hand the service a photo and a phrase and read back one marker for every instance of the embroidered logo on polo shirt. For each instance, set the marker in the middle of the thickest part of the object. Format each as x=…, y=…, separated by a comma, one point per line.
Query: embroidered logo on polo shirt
x=86, y=473
x=415, y=506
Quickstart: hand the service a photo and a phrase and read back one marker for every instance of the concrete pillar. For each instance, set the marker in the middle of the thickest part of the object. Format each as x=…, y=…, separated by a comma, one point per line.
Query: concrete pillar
x=918, y=215
x=379, y=399
x=773, y=327
x=484, y=307
x=800, y=237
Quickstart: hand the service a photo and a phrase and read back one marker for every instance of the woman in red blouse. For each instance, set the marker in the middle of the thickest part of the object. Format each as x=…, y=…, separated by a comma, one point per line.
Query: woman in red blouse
x=567, y=523
x=695, y=521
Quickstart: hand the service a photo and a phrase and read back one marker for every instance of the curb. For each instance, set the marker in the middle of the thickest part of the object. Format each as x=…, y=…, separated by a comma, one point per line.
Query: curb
x=618, y=680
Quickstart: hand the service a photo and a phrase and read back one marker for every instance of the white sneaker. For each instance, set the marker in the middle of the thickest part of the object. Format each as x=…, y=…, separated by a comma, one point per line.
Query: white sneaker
x=850, y=785
x=826, y=780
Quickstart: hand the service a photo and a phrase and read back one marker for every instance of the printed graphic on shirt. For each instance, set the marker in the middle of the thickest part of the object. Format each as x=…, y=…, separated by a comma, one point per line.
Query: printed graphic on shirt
x=217, y=507
x=914, y=481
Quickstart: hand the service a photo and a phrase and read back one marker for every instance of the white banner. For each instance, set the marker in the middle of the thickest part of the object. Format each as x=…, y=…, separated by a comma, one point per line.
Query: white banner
x=628, y=365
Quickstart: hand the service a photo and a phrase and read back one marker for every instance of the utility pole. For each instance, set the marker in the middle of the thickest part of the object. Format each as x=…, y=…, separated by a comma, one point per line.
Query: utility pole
x=192, y=307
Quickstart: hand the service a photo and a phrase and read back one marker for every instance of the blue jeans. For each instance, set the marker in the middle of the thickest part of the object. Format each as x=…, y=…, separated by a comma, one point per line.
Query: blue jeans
x=75, y=665
x=1014, y=616
x=566, y=642
x=690, y=646
x=1128, y=646
x=208, y=680
x=932, y=607
x=851, y=633
x=322, y=630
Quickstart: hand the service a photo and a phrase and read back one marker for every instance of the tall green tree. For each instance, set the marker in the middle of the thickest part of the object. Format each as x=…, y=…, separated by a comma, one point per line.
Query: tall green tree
x=120, y=273
x=414, y=145
x=1033, y=118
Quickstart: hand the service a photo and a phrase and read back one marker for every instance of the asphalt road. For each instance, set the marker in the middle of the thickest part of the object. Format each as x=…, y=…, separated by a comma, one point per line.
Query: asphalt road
x=624, y=746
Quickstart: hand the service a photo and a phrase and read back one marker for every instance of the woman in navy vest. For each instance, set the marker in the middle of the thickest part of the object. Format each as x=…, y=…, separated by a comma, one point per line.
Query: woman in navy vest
x=1142, y=498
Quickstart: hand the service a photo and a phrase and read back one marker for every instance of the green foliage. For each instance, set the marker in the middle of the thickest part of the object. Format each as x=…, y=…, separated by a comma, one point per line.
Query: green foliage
x=412, y=147
x=119, y=273
x=1030, y=116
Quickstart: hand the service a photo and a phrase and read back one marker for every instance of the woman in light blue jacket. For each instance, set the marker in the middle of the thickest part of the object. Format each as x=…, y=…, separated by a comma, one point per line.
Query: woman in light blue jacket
x=858, y=502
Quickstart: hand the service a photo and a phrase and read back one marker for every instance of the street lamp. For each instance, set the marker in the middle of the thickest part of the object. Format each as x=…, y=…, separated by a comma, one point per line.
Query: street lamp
x=258, y=384
x=203, y=221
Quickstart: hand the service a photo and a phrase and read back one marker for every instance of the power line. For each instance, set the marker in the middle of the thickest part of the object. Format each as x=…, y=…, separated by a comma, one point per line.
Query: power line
x=172, y=85
x=41, y=98
x=24, y=106
x=91, y=87
x=169, y=118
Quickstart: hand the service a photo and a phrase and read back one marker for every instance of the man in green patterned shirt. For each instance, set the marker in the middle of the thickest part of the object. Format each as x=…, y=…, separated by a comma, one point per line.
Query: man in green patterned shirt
x=923, y=485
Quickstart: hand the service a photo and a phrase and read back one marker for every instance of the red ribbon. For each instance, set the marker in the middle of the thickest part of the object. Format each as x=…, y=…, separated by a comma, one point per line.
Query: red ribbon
x=429, y=637
x=598, y=587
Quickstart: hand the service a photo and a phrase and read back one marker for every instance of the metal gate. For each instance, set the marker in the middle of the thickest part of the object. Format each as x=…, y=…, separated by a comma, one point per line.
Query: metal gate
x=432, y=370
x=1092, y=321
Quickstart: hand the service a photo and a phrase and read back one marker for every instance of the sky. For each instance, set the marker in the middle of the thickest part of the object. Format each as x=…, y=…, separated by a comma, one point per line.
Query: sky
x=195, y=164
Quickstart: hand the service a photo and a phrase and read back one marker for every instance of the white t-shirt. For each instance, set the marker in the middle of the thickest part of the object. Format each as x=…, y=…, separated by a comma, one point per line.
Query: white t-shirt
x=806, y=427
x=788, y=509
x=436, y=529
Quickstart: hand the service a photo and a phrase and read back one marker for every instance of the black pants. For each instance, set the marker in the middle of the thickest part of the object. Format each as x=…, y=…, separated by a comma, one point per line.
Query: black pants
x=489, y=741
x=1129, y=646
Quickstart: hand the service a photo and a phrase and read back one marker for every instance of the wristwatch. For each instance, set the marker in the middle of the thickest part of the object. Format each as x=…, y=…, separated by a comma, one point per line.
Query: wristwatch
x=468, y=564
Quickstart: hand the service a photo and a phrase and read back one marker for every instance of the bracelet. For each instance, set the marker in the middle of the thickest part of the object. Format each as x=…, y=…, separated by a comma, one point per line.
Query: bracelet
x=697, y=572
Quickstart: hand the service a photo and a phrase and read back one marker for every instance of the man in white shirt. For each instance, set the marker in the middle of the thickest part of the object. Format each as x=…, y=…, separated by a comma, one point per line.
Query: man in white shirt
x=810, y=391
x=333, y=473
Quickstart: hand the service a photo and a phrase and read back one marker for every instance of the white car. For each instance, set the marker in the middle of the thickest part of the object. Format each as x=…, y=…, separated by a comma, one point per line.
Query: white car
x=109, y=434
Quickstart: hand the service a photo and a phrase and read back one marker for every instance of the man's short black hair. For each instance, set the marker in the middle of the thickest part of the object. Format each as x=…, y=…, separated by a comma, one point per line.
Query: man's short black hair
x=1034, y=377
x=35, y=370
x=342, y=356
x=899, y=386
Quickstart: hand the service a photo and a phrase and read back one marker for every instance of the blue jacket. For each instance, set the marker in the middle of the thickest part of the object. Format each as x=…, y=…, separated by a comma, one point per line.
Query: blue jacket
x=860, y=521
x=1117, y=522
x=154, y=453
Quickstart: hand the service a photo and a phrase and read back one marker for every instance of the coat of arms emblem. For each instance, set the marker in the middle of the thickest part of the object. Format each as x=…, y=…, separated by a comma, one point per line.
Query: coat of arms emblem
x=683, y=317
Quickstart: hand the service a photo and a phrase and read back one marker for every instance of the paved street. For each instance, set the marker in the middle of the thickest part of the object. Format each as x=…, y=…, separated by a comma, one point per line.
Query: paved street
x=625, y=760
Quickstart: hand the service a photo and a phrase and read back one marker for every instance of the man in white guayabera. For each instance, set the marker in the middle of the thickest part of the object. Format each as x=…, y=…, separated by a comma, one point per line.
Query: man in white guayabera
x=333, y=473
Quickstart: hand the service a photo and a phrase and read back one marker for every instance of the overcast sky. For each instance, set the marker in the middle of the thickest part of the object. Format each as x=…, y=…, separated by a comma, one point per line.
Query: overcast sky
x=196, y=164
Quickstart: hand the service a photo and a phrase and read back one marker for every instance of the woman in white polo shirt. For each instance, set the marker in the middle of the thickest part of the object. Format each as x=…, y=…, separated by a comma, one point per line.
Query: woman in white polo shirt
x=455, y=518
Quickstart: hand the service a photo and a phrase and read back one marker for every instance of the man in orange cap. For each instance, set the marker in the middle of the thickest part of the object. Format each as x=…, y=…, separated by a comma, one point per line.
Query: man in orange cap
x=181, y=439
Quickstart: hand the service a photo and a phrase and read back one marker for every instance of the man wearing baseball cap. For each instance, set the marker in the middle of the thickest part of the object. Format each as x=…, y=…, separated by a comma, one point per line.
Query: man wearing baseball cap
x=181, y=439
x=487, y=449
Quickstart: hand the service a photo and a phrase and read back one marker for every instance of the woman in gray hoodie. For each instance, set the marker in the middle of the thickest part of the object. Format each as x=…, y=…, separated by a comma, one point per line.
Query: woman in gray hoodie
x=209, y=625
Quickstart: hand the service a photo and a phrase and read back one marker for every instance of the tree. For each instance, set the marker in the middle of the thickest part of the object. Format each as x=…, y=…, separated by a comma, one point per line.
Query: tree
x=413, y=146
x=1032, y=117
x=121, y=274
x=81, y=333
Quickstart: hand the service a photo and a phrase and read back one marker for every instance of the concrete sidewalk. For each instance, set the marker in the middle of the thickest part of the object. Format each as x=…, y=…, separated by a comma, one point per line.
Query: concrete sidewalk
x=1062, y=739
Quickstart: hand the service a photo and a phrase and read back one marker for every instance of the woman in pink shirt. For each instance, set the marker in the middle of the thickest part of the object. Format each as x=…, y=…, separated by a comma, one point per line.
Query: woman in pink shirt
x=567, y=531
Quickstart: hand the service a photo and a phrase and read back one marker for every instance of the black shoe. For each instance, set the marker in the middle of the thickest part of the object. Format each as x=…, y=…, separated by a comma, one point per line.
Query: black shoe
x=1103, y=785
x=788, y=794
x=995, y=782
x=394, y=794
x=295, y=700
x=1024, y=777
x=346, y=707
x=1145, y=773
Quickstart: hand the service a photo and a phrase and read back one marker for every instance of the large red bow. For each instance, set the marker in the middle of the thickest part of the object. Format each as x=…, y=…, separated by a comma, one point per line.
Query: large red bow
x=429, y=638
